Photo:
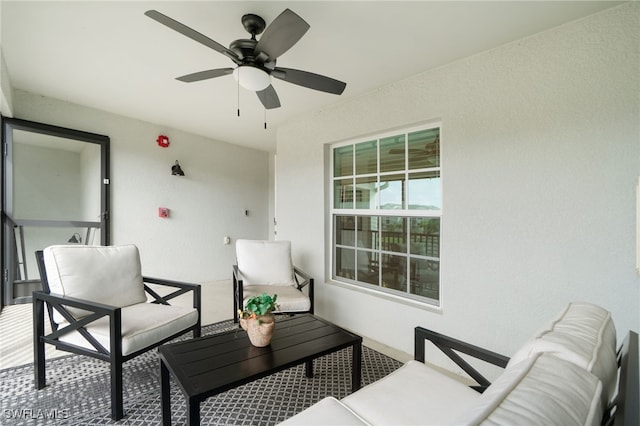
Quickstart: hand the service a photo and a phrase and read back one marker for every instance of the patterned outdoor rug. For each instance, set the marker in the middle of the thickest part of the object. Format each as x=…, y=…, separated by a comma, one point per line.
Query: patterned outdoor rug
x=78, y=391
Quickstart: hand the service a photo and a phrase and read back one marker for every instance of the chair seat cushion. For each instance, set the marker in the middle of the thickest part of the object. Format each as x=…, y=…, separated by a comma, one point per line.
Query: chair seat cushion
x=415, y=392
x=328, y=412
x=143, y=325
x=290, y=299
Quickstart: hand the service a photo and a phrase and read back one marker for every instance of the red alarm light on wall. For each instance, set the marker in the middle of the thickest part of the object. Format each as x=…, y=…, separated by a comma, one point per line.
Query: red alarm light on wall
x=163, y=141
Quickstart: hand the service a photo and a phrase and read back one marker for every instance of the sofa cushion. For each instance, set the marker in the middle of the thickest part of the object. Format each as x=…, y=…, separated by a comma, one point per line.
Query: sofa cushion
x=541, y=390
x=410, y=395
x=584, y=334
x=106, y=274
x=143, y=325
x=327, y=412
x=290, y=299
x=265, y=262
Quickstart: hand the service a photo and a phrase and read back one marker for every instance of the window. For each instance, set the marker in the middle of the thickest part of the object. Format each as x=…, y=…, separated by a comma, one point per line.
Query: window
x=386, y=212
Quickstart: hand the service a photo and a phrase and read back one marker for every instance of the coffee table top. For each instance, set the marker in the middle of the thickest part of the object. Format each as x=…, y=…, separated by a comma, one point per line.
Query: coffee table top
x=212, y=364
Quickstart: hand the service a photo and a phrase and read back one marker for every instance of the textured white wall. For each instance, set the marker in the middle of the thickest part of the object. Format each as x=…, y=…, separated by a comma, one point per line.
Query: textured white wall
x=221, y=181
x=540, y=154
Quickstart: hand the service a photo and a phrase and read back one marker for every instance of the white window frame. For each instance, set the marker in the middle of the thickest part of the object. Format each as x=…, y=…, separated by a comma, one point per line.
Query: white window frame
x=381, y=213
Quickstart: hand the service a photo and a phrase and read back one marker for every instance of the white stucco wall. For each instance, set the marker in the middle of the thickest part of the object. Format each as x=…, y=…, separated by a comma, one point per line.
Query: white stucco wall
x=222, y=180
x=540, y=155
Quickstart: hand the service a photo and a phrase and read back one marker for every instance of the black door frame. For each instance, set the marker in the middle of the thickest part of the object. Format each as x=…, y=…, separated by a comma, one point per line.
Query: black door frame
x=8, y=126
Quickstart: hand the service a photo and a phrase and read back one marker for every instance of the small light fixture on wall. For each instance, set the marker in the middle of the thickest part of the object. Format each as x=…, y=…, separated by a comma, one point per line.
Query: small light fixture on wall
x=176, y=170
x=75, y=238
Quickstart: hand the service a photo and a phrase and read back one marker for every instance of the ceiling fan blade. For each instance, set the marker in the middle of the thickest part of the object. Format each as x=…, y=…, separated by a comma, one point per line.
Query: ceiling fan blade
x=204, y=75
x=310, y=80
x=191, y=33
x=282, y=34
x=269, y=98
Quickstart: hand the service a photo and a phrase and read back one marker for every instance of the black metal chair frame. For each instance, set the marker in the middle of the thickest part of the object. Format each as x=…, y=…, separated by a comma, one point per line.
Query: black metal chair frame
x=624, y=410
x=302, y=280
x=114, y=357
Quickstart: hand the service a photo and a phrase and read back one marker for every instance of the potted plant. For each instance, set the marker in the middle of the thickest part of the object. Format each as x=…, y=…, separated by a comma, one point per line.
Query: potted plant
x=258, y=320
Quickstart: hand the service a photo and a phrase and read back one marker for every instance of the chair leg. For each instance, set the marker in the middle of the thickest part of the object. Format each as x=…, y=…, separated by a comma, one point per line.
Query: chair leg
x=38, y=344
x=235, y=300
x=117, y=409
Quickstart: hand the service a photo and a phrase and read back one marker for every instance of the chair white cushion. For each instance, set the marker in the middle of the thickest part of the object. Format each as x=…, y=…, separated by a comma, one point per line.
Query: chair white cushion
x=106, y=274
x=290, y=299
x=265, y=262
x=412, y=395
x=143, y=324
x=584, y=334
x=541, y=390
x=327, y=412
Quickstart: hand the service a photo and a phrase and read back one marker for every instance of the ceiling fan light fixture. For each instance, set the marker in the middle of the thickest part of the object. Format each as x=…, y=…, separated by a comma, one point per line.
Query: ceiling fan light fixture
x=252, y=78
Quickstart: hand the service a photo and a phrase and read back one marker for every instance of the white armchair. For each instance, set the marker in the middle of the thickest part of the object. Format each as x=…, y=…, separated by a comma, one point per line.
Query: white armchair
x=266, y=267
x=98, y=306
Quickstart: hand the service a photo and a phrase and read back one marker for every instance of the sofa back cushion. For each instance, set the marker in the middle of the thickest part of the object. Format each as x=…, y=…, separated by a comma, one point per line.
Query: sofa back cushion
x=584, y=334
x=106, y=274
x=541, y=390
x=263, y=262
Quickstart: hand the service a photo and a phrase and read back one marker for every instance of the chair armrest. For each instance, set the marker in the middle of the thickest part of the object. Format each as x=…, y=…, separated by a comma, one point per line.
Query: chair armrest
x=97, y=310
x=236, y=273
x=182, y=286
x=448, y=345
x=306, y=277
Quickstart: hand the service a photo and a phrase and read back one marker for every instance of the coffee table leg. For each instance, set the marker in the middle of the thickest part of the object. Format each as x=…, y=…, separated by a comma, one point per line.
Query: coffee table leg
x=194, y=411
x=356, y=365
x=165, y=394
x=308, y=369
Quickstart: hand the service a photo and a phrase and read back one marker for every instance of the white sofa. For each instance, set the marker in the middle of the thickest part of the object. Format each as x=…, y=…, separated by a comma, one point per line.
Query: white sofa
x=567, y=374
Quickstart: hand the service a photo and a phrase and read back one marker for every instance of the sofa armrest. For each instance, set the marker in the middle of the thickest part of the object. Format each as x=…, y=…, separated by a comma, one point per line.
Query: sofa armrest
x=625, y=409
x=448, y=345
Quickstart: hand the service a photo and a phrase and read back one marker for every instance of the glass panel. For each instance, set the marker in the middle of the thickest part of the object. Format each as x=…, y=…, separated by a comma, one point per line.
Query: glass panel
x=343, y=161
x=366, y=192
x=392, y=154
x=345, y=230
x=345, y=263
x=394, y=272
x=367, y=267
x=425, y=236
x=55, y=178
x=343, y=194
x=368, y=232
x=424, y=149
x=425, y=278
x=394, y=234
x=366, y=158
x=425, y=192
x=391, y=192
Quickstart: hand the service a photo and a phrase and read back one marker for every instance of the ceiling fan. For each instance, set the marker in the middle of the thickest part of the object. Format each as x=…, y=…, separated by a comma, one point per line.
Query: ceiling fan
x=256, y=59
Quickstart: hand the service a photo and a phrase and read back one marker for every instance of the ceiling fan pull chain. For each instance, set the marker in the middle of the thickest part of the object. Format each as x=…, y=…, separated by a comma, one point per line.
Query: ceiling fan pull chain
x=265, y=119
x=238, y=94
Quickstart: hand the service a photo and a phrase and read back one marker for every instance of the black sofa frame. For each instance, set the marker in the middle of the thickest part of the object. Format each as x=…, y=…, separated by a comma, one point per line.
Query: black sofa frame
x=624, y=410
x=302, y=280
x=114, y=357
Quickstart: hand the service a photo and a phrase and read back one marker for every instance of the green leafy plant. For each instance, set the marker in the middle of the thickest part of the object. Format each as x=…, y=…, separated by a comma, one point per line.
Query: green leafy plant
x=259, y=305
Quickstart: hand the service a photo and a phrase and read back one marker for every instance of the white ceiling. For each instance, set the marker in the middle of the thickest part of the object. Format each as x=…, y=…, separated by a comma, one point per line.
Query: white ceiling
x=110, y=56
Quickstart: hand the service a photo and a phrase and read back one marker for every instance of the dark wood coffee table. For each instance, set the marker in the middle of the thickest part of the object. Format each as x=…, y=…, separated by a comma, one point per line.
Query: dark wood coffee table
x=209, y=365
